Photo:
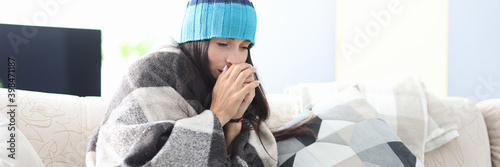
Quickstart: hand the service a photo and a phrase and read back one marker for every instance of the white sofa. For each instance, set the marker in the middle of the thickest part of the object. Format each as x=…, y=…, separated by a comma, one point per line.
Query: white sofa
x=58, y=127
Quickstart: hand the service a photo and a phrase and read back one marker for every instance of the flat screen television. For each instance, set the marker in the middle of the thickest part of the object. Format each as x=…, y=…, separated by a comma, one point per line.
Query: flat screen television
x=51, y=59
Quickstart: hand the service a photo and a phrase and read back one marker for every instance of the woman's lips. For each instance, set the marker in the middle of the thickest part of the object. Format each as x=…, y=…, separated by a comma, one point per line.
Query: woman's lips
x=225, y=67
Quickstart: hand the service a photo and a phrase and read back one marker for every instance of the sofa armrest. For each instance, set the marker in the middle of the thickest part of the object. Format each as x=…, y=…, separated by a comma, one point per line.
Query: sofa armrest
x=491, y=112
x=57, y=126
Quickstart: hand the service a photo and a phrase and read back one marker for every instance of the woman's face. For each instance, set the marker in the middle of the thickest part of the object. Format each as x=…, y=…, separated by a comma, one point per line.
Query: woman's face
x=226, y=51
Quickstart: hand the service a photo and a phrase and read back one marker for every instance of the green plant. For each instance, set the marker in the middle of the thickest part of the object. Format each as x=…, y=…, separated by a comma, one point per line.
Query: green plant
x=140, y=48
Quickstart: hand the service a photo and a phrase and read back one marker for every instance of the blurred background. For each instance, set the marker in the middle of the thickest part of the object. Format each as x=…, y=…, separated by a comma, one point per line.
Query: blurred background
x=453, y=46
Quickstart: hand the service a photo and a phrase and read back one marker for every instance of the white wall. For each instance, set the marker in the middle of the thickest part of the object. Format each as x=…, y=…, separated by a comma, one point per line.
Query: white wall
x=388, y=38
x=294, y=42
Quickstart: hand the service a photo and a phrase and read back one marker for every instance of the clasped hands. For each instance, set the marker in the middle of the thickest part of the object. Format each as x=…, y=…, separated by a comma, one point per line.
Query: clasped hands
x=233, y=92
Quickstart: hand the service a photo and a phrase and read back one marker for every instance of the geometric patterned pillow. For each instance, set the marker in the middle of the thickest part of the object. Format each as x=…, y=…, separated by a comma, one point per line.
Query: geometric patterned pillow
x=346, y=133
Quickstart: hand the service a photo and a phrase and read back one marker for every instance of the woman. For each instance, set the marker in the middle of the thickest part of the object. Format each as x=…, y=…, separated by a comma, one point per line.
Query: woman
x=197, y=105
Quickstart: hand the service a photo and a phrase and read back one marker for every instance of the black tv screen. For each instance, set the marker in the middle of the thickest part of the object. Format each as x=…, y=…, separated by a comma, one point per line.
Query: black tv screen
x=51, y=59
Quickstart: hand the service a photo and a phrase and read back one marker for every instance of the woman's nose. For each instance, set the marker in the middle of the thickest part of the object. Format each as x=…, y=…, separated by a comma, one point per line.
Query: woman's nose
x=234, y=57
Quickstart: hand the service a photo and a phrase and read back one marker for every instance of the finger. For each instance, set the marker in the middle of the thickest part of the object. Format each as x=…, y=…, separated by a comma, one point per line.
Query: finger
x=249, y=96
x=227, y=71
x=247, y=88
x=244, y=75
x=250, y=78
x=236, y=69
x=224, y=73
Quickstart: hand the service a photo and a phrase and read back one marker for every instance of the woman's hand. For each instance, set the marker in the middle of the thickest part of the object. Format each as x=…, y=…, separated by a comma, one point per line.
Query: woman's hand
x=247, y=100
x=233, y=92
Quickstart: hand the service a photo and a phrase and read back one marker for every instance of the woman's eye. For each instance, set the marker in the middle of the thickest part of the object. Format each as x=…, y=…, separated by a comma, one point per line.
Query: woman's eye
x=245, y=47
x=222, y=44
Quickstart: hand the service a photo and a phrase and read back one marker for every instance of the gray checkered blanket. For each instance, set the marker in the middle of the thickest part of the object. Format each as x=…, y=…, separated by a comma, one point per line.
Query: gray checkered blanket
x=149, y=123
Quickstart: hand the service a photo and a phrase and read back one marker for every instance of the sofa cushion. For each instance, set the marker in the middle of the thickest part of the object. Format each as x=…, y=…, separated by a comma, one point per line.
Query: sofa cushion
x=308, y=94
x=471, y=148
x=491, y=113
x=283, y=108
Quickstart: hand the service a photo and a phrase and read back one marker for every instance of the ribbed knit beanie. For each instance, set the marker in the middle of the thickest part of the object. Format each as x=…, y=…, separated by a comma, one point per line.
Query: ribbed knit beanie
x=206, y=19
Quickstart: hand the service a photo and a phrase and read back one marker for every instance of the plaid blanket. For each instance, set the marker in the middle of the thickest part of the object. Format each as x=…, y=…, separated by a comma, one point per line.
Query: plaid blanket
x=149, y=123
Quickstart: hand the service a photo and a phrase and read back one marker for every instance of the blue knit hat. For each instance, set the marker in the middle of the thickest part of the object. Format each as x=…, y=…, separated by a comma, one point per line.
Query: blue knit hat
x=206, y=19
